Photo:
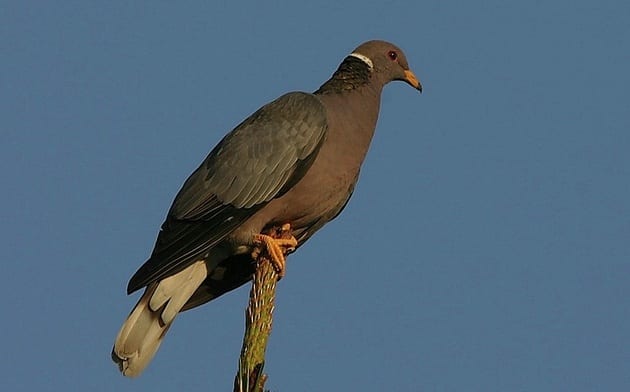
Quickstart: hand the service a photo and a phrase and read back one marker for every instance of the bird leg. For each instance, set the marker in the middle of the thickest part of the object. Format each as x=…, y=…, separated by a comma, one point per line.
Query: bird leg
x=277, y=244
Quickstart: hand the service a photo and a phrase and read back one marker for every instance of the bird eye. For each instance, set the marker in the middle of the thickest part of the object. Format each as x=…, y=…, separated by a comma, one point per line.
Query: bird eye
x=392, y=55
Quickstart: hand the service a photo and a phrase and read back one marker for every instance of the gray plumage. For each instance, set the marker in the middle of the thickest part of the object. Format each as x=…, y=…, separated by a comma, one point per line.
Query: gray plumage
x=296, y=160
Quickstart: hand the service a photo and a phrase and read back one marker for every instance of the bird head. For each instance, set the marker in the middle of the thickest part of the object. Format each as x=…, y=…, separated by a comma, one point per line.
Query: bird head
x=387, y=62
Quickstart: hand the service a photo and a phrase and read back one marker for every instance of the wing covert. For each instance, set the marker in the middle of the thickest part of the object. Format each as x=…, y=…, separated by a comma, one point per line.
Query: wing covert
x=261, y=159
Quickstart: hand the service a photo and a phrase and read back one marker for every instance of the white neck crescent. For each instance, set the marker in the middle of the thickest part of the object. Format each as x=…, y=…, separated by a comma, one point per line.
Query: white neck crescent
x=363, y=58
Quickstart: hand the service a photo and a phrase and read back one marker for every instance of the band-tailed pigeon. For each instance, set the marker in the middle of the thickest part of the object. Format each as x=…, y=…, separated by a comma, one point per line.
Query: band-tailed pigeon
x=292, y=164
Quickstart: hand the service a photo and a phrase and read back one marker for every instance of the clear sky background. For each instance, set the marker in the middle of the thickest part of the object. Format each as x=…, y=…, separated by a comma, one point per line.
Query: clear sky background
x=486, y=248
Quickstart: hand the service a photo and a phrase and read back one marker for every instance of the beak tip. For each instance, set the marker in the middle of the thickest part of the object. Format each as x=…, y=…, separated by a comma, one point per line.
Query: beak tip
x=413, y=80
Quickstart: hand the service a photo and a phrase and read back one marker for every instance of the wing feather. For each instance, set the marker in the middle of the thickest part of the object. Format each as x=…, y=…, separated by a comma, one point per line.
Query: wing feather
x=258, y=161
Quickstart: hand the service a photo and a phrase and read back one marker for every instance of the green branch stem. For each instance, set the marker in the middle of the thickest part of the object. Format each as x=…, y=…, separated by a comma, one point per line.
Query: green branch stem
x=258, y=321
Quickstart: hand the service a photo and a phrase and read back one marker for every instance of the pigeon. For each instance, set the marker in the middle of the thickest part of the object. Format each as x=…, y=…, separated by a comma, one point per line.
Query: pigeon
x=290, y=166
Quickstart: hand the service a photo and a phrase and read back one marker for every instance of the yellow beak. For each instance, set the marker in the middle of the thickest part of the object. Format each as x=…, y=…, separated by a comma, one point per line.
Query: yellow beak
x=411, y=78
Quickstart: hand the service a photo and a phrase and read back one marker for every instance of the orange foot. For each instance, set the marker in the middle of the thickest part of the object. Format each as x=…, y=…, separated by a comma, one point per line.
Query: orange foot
x=276, y=247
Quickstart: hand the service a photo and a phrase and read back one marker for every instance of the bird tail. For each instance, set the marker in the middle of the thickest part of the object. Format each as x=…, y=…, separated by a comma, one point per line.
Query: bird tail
x=143, y=331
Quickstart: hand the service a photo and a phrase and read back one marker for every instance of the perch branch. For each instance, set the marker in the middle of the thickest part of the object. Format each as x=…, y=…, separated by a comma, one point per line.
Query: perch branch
x=258, y=322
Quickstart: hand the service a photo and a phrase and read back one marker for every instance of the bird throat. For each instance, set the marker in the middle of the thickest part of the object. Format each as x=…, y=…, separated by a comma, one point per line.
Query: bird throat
x=351, y=74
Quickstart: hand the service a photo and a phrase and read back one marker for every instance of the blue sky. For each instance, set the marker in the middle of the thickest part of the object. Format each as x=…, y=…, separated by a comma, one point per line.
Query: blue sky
x=486, y=247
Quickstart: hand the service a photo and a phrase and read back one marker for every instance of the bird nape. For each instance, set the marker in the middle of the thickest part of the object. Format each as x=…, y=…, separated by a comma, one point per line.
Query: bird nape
x=293, y=164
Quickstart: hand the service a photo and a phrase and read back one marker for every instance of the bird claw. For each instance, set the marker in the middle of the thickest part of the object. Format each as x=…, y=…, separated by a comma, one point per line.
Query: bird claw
x=277, y=247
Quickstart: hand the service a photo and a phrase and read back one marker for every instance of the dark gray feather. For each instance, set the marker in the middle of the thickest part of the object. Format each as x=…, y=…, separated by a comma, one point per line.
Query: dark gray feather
x=258, y=161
